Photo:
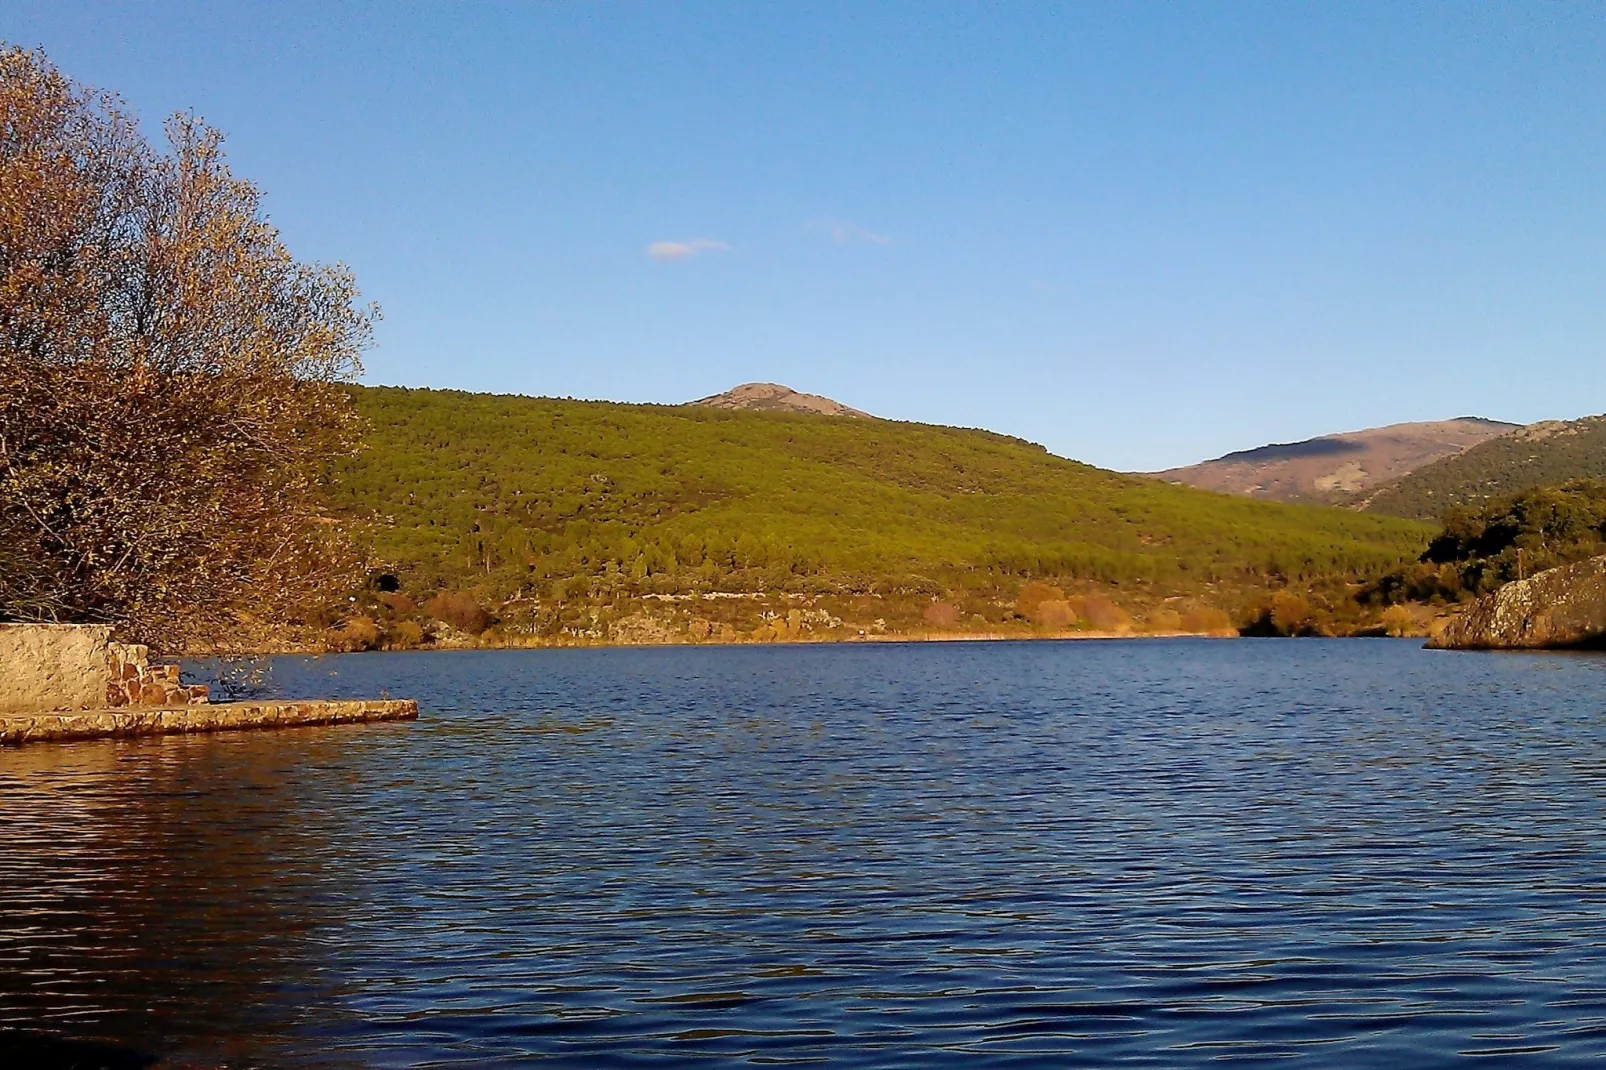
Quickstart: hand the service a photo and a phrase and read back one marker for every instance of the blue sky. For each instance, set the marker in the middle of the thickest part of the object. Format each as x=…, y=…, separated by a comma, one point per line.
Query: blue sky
x=1138, y=234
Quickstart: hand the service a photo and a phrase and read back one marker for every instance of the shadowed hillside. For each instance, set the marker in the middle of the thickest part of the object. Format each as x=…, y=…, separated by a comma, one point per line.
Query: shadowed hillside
x=1542, y=454
x=549, y=500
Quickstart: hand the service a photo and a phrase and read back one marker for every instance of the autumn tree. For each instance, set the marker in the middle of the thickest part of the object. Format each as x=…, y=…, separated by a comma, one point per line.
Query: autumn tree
x=170, y=378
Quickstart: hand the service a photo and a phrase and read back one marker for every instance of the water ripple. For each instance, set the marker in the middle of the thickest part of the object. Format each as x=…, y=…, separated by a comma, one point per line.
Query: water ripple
x=1152, y=853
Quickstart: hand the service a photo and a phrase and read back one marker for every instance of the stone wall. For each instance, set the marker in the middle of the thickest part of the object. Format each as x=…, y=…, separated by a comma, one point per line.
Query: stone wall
x=46, y=667
x=134, y=681
x=64, y=682
x=53, y=667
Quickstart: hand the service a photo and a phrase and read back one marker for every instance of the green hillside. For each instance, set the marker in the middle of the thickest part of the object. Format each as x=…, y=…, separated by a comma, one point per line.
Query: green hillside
x=1544, y=454
x=547, y=500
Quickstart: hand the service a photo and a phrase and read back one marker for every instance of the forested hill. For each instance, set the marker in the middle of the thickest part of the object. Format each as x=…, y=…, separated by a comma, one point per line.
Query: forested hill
x=1542, y=454
x=503, y=494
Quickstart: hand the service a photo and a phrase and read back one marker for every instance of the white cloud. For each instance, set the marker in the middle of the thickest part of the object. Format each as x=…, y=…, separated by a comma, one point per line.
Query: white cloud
x=681, y=250
x=844, y=233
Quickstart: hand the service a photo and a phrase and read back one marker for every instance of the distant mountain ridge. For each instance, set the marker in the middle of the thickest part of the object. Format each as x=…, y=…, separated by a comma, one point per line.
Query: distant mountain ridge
x=773, y=397
x=1333, y=469
x=1542, y=454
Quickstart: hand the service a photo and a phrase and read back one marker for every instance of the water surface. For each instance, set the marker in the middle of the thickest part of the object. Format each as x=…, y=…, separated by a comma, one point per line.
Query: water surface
x=1189, y=853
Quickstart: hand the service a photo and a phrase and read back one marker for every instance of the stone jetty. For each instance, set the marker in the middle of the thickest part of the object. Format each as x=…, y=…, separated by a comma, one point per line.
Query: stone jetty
x=1560, y=607
x=197, y=717
x=67, y=682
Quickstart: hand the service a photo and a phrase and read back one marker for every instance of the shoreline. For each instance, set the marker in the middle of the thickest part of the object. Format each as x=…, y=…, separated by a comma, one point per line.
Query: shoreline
x=602, y=644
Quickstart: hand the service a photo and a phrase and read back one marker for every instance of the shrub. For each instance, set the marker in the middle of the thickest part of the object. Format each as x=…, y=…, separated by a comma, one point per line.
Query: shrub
x=1105, y=616
x=1204, y=619
x=941, y=615
x=403, y=635
x=1165, y=620
x=1033, y=595
x=459, y=610
x=1053, y=613
x=358, y=633
x=1289, y=614
x=399, y=604
x=1398, y=621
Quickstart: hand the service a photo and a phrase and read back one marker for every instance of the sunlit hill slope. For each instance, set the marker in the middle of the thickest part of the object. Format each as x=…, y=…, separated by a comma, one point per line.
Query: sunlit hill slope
x=533, y=503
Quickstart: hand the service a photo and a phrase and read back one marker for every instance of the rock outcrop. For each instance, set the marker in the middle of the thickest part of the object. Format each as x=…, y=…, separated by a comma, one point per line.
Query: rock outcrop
x=1561, y=607
x=773, y=397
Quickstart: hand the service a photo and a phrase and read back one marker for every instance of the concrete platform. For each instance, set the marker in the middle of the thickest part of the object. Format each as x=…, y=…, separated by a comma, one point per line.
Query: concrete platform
x=63, y=725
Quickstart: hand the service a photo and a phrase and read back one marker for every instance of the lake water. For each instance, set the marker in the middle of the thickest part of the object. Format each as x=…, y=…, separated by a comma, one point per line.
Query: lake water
x=1167, y=853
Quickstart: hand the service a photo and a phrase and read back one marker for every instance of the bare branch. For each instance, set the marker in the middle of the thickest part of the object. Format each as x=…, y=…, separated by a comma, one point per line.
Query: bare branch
x=169, y=376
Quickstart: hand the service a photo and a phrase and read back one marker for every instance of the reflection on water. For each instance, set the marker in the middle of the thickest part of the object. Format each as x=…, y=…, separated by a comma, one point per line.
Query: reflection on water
x=154, y=891
x=1173, y=853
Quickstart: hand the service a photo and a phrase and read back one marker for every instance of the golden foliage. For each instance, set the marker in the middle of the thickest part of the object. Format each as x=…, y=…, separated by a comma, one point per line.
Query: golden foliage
x=459, y=610
x=1398, y=621
x=1289, y=613
x=359, y=633
x=1202, y=620
x=168, y=375
x=403, y=635
x=1034, y=594
x=1053, y=613
x=1165, y=619
x=1105, y=616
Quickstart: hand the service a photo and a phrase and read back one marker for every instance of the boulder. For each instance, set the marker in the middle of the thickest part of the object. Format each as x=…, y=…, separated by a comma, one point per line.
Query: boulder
x=1561, y=607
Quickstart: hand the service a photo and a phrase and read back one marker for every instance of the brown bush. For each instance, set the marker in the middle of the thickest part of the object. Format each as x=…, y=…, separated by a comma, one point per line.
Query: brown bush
x=358, y=633
x=1398, y=621
x=1165, y=619
x=459, y=610
x=399, y=604
x=1034, y=594
x=1205, y=619
x=403, y=635
x=941, y=615
x=1053, y=613
x=1289, y=613
x=1105, y=616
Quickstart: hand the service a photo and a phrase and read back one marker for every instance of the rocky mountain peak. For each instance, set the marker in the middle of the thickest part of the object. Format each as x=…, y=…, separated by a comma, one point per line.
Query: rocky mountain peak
x=773, y=397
